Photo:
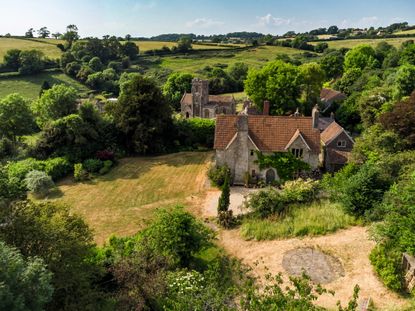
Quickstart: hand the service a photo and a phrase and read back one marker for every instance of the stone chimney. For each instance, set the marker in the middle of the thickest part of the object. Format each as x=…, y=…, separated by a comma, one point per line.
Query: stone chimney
x=266, y=108
x=332, y=115
x=297, y=113
x=315, y=114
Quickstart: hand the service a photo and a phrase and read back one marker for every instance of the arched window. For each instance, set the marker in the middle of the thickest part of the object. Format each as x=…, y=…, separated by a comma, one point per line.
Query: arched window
x=270, y=176
x=187, y=115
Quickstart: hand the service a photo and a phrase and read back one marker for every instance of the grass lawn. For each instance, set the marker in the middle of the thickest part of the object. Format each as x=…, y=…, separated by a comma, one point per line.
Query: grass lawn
x=337, y=44
x=50, y=50
x=315, y=219
x=406, y=32
x=123, y=200
x=29, y=86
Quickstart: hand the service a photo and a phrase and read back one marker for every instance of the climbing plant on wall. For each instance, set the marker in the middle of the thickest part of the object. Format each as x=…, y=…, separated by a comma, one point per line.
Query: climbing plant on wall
x=285, y=163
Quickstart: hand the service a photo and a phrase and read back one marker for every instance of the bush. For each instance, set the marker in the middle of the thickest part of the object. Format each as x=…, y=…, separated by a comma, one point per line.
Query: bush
x=7, y=148
x=18, y=170
x=92, y=165
x=387, y=264
x=80, y=174
x=39, y=183
x=177, y=235
x=299, y=191
x=266, y=202
x=218, y=174
x=57, y=167
x=106, y=168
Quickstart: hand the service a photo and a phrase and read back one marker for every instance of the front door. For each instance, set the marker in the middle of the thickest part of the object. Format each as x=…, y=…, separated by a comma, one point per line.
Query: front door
x=270, y=176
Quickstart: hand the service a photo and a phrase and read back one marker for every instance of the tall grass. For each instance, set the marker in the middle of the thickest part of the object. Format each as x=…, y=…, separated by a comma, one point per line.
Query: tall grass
x=318, y=218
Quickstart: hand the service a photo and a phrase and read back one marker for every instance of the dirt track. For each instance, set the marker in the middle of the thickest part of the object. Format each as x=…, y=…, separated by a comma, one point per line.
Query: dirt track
x=351, y=247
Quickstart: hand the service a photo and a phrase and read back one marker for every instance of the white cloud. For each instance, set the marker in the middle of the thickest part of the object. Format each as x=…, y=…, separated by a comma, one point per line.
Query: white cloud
x=269, y=20
x=203, y=23
x=364, y=22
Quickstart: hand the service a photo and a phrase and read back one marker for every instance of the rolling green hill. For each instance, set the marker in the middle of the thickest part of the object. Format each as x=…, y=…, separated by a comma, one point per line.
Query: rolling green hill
x=29, y=86
x=350, y=43
x=48, y=46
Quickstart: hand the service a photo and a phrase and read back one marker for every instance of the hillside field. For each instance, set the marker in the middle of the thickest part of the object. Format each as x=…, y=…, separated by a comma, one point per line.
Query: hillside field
x=121, y=201
x=350, y=43
x=48, y=48
x=406, y=32
x=29, y=86
x=151, y=45
x=255, y=57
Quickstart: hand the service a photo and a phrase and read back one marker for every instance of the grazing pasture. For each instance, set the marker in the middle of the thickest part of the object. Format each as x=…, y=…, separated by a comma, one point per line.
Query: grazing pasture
x=350, y=43
x=29, y=86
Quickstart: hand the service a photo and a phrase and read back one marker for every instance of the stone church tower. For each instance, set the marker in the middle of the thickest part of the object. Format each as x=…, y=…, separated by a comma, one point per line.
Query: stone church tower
x=200, y=92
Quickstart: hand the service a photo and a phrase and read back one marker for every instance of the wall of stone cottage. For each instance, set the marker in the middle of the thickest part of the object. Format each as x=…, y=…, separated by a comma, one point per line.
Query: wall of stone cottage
x=313, y=159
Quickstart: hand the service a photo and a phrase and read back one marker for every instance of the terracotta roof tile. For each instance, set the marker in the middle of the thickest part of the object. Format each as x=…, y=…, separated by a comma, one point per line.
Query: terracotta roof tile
x=331, y=132
x=269, y=133
x=330, y=94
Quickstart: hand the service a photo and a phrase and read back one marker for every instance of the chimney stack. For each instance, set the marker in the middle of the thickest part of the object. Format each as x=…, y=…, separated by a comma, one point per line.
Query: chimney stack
x=266, y=108
x=315, y=114
x=332, y=115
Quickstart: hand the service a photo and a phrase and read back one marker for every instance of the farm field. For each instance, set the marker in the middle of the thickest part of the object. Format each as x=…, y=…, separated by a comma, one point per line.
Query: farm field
x=50, y=50
x=406, y=32
x=121, y=201
x=151, y=45
x=255, y=57
x=29, y=86
x=337, y=44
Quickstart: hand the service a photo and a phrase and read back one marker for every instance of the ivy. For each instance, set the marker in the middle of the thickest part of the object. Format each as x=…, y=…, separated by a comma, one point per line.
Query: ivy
x=285, y=163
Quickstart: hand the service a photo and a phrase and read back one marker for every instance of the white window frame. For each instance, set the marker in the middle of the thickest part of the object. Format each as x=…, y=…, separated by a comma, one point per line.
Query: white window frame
x=342, y=143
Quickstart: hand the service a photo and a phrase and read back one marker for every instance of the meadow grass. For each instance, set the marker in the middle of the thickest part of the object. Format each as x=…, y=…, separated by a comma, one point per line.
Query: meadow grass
x=153, y=45
x=50, y=50
x=254, y=58
x=318, y=218
x=406, y=32
x=122, y=201
x=29, y=86
x=337, y=44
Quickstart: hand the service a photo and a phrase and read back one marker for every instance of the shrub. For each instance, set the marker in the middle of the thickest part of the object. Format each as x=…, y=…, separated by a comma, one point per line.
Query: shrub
x=106, y=168
x=223, y=204
x=387, y=264
x=218, y=174
x=7, y=148
x=177, y=235
x=20, y=169
x=266, y=202
x=57, y=167
x=80, y=174
x=92, y=165
x=299, y=191
x=39, y=182
x=104, y=155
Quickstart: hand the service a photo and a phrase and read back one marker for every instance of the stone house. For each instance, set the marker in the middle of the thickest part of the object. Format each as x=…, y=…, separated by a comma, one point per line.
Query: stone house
x=238, y=137
x=202, y=105
x=337, y=146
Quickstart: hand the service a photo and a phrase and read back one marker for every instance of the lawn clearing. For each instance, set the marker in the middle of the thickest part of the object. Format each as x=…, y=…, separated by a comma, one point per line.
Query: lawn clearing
x=50, y=50
x=315, y=219
x=29, y=86
x=337, y=44
x=122, y=201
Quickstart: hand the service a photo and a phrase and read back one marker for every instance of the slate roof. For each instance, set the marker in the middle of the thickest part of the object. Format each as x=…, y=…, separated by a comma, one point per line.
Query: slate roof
x=331, y=132
x=187, y=99
x=269, y=133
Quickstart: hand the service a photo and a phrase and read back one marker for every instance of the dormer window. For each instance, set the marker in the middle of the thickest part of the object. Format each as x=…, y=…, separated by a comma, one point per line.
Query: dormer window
x=298, y=153
x=341, y=143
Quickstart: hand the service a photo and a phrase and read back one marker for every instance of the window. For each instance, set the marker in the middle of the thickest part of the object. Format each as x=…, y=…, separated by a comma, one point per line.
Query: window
x=206, y=112
x=298, y=153
x=341, y=143
x=252, y=153
x=187, y=115
x=253, y=173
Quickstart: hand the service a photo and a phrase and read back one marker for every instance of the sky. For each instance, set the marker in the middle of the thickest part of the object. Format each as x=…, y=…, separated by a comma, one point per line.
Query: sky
x=144, y=18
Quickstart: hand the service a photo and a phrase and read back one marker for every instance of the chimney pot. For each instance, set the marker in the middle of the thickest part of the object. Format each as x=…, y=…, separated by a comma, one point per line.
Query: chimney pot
x=266, y=108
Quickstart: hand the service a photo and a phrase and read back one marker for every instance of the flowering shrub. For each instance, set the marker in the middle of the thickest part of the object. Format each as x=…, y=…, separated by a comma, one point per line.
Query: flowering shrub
x=183, y=282
x=299, y=191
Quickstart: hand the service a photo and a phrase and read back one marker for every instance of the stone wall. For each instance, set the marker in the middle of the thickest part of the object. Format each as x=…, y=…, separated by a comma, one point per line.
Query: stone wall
x=408, y=268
